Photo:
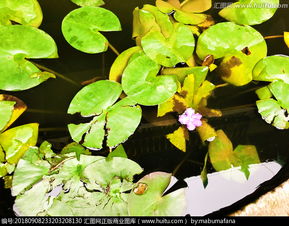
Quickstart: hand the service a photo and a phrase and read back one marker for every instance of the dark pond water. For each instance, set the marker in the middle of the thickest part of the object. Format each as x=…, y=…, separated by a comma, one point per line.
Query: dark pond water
x=48, y=102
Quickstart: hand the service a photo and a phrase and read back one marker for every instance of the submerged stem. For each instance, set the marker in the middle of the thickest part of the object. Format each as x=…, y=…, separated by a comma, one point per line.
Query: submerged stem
x=32, y=110
x=52, y=129
x=274, y=36
x=57, y=74
x=113, y=49
x=181, y=163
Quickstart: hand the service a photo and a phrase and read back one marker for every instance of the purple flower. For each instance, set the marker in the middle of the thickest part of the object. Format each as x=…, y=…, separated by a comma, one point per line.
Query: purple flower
x=190, y=119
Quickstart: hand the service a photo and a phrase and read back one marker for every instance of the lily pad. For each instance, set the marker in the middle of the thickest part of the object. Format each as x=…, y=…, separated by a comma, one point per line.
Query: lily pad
x=140, y=83
x=272, y=68
x=117, y=121
x=242, y=49
x=26, y=12
x=18, y=43
x=250, y=12
x=81, y=28
x=179, y=47
x=88, y=2
x=196, y=5
x=16, y=141
x=10, y=109
x=147, y=199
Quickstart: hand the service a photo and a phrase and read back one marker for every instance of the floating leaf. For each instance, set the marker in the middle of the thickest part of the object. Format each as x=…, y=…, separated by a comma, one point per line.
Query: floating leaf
x=286, y=38
x=241, y=50
x=20, y=42
x=121, y=62
x=177, y=48
x=196, y=5
x=204, y=91
x=81, y=28
x=179, y=137
x=146, y=199
x=264, y=93
x=221, y=152
x=272, y=68
x=223, y=157
x=88, y=2
x=10, y=109
x=16, y=141
x=248, y=12
x=26, y=12
x=118, y=152
x=140, y=83
x=246, y=154
x=119, y=120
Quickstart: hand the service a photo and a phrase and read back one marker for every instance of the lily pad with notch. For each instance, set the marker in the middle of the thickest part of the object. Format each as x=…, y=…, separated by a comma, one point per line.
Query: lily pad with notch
x=19, y=43
x=116, y=121
x=81, y=28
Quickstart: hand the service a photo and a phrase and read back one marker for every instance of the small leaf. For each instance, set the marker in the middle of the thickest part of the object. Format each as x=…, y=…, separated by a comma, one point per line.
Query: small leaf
x=272, y=68
x=196, y=5
x=121, y=62
x=16, y=141
x=81, y=28
x=246, y=154
x=248, y=12
x=140, y=83
x=146, y=199
x=26, y=12
x=179, y=137
x=221, y=152
x=88, y=2
x=204, y=175
x=118, y=152
x=13, y=112
x=204, y=91
x=264, y=93
x=189, y=18
x=45, y=150
x=168, y=52
x=286, y=38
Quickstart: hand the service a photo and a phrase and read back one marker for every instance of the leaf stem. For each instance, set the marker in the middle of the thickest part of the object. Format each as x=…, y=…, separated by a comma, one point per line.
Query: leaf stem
x=274, y=36
x=52, y=129
x=222, y=85
x=57, y=74
x=113, y=48
x=181, y=163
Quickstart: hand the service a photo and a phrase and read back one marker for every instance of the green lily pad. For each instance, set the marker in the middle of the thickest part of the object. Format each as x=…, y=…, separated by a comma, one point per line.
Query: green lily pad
x=118, y=152
x=16, y=141
x=280, y=91
x=140, y=83
x=179, y=47
x=88, y=2
x=189, y=18
x=272, y=68
x=242, y=49
x=117, y=121
x=26, y=12
x=250, y=12
x=20, y=42
x=146, y=199
x=81, y=28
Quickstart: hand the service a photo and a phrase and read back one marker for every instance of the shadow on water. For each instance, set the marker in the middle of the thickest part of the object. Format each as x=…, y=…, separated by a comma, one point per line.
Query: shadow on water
x=48, y=102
